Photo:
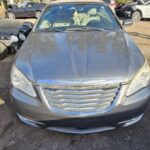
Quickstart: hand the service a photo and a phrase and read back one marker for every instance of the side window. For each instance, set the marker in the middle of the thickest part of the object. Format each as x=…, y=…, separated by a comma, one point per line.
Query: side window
x=36, y=5
x=29, y=5
x=147, y=2
x=22, y=5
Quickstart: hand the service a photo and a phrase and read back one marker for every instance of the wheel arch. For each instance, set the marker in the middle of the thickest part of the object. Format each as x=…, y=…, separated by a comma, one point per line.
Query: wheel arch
x=139, y=11
x=12, y=12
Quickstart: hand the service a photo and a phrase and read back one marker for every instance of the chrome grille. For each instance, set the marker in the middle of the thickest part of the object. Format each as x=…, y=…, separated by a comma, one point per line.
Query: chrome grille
x=79, y=100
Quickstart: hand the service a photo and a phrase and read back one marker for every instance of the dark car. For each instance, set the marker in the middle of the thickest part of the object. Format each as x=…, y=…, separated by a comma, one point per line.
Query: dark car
x=78, y=71
x=25, y=10
x=135, y=10
x=12, y=35
x=124, y=10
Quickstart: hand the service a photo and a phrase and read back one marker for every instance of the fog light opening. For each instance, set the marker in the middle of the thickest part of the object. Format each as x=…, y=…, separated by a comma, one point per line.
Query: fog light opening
x=131, y=121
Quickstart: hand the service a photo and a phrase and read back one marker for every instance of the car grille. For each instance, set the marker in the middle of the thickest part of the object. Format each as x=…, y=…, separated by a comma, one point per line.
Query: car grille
x=80, y=101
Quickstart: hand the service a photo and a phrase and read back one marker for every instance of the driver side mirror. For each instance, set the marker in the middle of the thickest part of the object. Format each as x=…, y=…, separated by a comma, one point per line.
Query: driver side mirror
x=127, y=22
x=28, y=25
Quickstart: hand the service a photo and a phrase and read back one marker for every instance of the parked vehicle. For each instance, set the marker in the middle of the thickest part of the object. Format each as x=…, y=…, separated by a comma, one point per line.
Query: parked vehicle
x=12, y=36
x=7, y=42
x=136, y=10
x=78, y=71
x=25, y=10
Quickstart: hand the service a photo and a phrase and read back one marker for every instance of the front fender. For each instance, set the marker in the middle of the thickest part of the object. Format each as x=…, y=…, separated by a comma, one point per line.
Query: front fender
x=6, y=42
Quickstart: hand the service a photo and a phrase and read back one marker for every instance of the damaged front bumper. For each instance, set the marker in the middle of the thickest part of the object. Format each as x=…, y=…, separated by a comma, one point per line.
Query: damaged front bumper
x=33, y=112
x=75, y=130
x=9, y=44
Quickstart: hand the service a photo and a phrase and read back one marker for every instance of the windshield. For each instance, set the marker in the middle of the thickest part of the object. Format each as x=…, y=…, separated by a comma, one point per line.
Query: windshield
x=145, y=1
x=75, y=16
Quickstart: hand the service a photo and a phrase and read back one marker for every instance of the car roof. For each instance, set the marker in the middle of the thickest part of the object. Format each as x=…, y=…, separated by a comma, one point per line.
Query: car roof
x=75, y=1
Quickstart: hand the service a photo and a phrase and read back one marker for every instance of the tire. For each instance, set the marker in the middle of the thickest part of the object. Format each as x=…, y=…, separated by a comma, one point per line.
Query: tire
x=11, y=15
x=37, y=14
x=136, y=16
x=3, y=51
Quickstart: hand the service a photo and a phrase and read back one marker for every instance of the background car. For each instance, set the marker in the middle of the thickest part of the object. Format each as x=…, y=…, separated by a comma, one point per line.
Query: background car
x=135, y=10
x=7, y=29
x=12, y=35
x=25, y=9
x=124, y=10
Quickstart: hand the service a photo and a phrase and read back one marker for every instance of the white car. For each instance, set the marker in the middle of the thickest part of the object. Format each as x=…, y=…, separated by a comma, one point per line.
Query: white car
x=141, y=10
x=135, y=10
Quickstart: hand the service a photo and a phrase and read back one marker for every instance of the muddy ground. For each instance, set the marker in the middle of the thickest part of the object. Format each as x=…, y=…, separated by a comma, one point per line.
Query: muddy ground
x=16, y=136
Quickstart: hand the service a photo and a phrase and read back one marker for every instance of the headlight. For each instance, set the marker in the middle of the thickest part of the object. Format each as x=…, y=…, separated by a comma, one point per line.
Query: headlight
x=140, y=81
x=22, y=37
x=14, y=38
x=20, y=82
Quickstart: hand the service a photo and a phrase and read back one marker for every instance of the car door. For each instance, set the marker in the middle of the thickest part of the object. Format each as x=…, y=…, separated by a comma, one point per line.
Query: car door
x=147, y=11
x=145, y=8
x=29, y=10
x=20, y=10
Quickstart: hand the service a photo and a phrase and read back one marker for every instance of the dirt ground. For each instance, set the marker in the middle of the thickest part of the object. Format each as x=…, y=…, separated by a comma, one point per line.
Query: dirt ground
x=16, y=136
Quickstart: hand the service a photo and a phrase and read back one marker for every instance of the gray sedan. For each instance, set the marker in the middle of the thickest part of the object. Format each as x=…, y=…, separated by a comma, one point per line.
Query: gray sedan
x=78, y=71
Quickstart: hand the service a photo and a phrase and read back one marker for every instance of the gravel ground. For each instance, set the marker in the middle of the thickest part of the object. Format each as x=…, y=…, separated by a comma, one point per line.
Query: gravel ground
x=16, y=136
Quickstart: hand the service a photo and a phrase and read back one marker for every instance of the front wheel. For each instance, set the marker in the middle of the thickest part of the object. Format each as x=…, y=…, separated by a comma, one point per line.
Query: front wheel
x=11, y=15
x=136, y=16
x=3, y=51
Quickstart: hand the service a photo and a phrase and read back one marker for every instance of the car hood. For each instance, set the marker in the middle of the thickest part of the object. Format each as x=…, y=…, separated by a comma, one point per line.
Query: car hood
x=7, y=32
x=48, y=56
x=9, y=27
x=10, y=24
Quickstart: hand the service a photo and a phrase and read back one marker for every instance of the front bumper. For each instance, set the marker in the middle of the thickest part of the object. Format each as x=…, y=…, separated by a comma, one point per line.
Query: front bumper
x=10, y=45
x=34, y=112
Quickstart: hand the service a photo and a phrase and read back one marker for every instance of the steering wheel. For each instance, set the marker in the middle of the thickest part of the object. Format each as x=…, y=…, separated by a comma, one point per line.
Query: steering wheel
x=103, y=23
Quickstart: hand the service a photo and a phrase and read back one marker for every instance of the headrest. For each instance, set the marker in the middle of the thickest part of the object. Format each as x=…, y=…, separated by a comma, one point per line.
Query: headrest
x=92, y=11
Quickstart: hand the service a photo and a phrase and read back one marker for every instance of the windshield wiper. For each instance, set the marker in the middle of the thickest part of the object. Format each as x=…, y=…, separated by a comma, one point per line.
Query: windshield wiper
x=52, y=29
x=86, y=28
x=92, y=28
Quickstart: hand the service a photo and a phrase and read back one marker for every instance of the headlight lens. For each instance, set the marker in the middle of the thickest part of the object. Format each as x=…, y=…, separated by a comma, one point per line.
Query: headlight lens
x=140, y=81
x=14, y=38
x=22, y=37
x=19, y=81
